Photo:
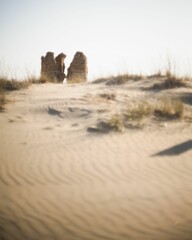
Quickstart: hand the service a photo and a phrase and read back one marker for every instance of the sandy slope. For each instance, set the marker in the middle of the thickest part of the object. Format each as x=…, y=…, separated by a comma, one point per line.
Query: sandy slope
x=59, y=181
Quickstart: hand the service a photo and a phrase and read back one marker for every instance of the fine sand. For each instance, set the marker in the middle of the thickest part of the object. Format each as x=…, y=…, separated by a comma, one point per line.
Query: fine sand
x=60, y=181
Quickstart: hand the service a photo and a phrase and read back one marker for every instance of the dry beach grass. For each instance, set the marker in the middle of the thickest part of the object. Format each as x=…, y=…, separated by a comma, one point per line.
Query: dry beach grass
x=101, y=161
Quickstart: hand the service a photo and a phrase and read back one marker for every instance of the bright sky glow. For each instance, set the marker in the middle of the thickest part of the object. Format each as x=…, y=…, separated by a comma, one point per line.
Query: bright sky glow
x=117, y=36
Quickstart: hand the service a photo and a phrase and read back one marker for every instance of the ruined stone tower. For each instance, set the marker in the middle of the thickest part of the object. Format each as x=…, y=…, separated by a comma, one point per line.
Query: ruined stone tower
x=77, y=71
x=60, y=66
x=52, y=68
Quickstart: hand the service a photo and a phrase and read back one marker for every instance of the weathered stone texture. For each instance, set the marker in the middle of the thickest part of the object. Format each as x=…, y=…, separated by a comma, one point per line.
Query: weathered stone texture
x=77, y=71
x=53, y=68
x=60, y=66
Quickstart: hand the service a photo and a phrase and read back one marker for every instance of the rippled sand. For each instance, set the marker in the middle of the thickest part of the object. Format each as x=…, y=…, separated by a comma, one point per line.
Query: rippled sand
x=58, y=181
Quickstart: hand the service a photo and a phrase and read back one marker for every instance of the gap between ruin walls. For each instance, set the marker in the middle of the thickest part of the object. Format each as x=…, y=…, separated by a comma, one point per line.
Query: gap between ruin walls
x=53, y=68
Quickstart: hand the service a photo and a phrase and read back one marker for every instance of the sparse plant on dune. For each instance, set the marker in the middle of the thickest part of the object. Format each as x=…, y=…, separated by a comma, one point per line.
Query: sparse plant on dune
x=138, y=111
x=138, y=115
x=158, y=74
x=35, y=80
x=135, y=115
x=118, y=80
x=2, y=99
x=122, y=79
x=170, y=79
x=76, y=79
x=100, y=80
x=172, y=109
x=108, y=95
x=167, y=109
x=114, y=123
x=10, y=85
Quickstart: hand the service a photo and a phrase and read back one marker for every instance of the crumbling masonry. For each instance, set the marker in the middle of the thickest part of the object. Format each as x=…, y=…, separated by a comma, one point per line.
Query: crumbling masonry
x=77, y=71
x=53, y=69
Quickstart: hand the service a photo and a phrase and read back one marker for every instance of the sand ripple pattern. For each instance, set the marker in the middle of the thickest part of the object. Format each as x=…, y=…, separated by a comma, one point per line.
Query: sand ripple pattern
x=69, y=184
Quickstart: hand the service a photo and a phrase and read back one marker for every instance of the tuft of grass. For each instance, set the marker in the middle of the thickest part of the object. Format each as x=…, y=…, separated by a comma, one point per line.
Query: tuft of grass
x=10, y=85
x=165, y=110
x=170, y=81
x=100, y=80
x=118, y=80
x=108, y=96
x=40, y=80
x=76, y=79
x=138, y=115
x=158, y=74
x=115, y=123
x=123, y=79
x=138, y=112
x=2, y=100
x=170, y=110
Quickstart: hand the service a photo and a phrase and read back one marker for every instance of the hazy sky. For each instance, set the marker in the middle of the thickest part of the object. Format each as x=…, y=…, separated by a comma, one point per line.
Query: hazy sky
x=116, y=35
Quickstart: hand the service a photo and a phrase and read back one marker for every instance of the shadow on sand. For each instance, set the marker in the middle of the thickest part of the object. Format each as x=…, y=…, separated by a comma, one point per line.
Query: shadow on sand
x=175, y=150
x=186, y=98
x=54, y=112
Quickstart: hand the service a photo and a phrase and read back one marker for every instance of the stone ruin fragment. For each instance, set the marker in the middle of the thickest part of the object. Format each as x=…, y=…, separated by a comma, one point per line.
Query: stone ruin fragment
x=60, y=66
x=48, y=66
x=77, y=71
x=53, y=68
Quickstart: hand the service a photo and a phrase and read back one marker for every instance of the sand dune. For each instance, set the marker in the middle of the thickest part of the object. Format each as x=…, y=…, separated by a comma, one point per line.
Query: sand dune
x=59, y=181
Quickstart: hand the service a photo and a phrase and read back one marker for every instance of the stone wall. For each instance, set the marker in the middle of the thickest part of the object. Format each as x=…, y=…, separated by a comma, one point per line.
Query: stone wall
x=60, y=67
x=52, y=68
x=77, y=71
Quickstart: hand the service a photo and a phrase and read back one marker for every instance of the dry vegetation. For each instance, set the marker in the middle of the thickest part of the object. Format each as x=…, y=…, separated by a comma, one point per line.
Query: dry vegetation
x=164, y=109
x=169, y=81
x=138, y=115
x=7, y=85
x=35, y=80
x=135, y=115
x=118, y=80
x=75, y=80
x=138, y=112
x=170, y=109
x=108, y=96
x=115, y=123
x=10, y=85
x=2, y=99
x=165, y=81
